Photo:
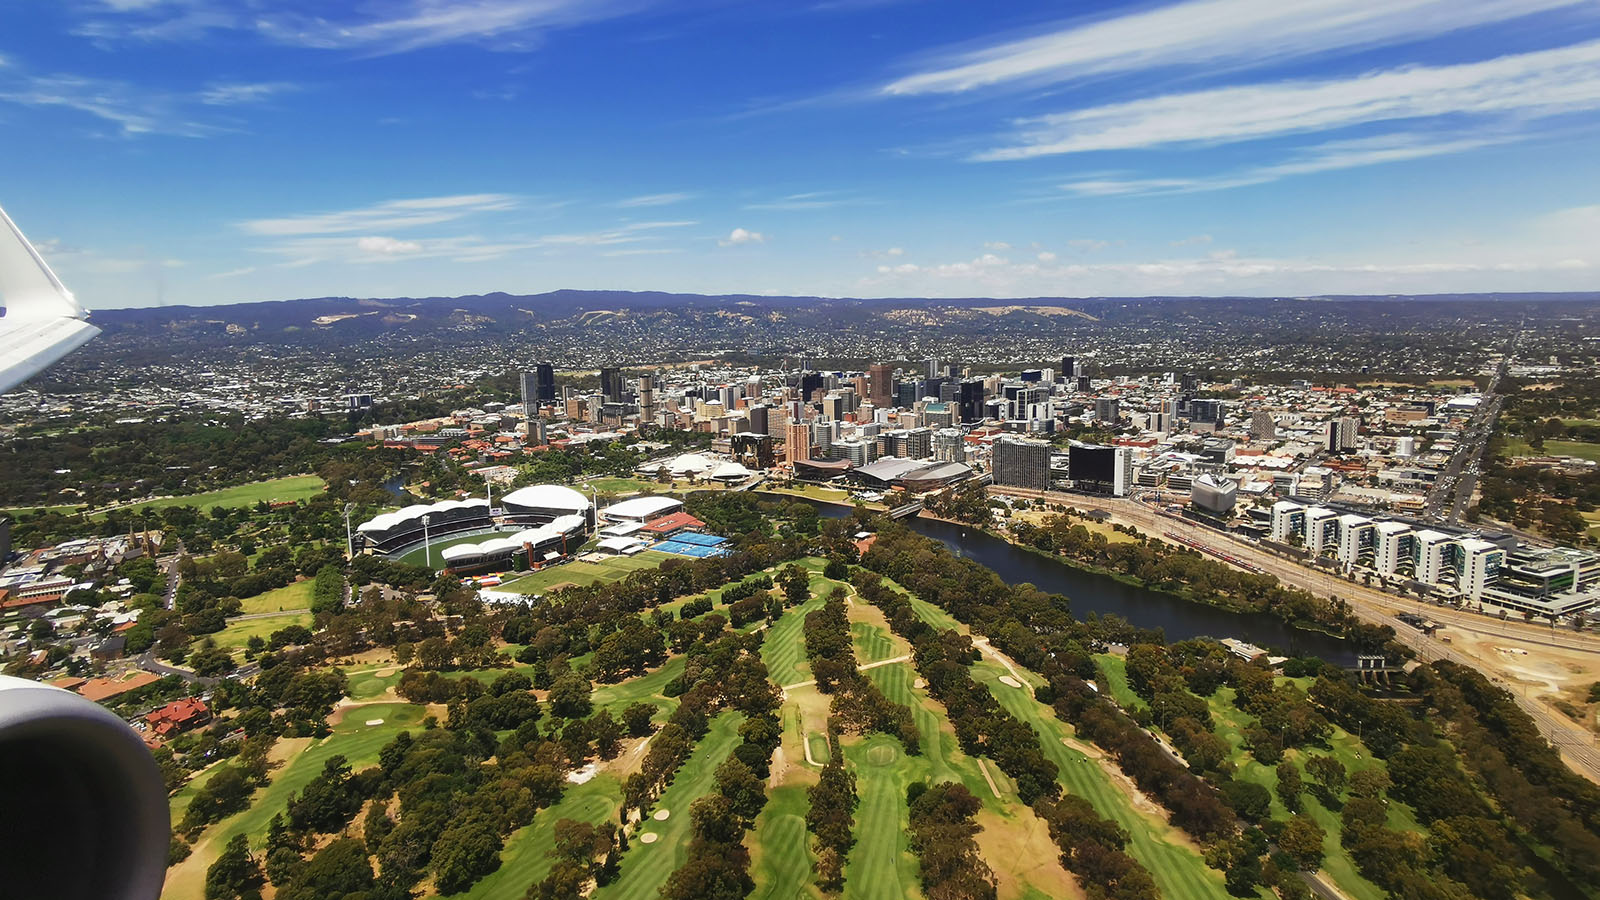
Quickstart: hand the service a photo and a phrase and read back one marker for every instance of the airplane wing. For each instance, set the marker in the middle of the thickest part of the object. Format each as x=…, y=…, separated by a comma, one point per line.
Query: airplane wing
x=40, y=321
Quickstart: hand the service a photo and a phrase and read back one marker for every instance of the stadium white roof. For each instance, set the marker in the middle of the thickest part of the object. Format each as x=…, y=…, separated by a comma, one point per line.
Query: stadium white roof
x=564, y=525
x=730, y=470
x=388, y=520
x=642, y=507
x=548, y=496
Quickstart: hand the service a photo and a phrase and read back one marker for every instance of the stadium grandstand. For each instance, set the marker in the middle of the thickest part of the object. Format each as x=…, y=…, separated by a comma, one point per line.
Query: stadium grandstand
x=399, y=530
x=543, y=544
x=542, y=504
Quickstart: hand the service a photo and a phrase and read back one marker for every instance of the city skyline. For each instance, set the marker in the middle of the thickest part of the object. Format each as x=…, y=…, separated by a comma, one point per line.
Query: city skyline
x=208, y=151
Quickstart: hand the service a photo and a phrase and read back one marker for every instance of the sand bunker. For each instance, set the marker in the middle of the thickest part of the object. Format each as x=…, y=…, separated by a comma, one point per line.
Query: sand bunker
x=584, y=774
x=919, y=684
x=1008, y=681
x=649, y=837
x=661, y=815
x=374, y=721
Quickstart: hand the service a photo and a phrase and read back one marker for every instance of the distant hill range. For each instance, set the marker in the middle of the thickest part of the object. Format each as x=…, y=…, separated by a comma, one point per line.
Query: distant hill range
x=344, y=319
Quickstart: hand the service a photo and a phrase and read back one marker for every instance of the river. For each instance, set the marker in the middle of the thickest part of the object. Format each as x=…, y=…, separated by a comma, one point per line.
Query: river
x=1094, y=592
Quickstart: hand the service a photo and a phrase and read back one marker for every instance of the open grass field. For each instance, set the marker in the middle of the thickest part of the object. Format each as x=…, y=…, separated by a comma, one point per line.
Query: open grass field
x=613, y=568
x=293, y=487
x=352, y=737
x=624, y=485
x=1579, y=449
x=782, y=861
x=646, y=867
x=240, y=631
x=647, y=688
x=289, y=597
x=524, y=861
x=881, y=865
x=273, y=490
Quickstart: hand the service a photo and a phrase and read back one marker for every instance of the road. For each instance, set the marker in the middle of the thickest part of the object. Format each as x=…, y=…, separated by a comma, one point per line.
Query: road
x=1452, y=491
x=1577, y=744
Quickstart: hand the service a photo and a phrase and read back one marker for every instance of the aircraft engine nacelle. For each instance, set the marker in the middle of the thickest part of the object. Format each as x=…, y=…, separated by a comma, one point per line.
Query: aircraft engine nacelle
x=83, y=808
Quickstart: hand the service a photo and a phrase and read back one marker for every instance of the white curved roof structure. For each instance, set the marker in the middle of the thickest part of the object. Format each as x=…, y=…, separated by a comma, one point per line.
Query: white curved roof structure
x=564, y=526
x=548, y=496
x=691, y=464
x=648, y=507
x=730, y=470
x=388, y=520
x=40, y=320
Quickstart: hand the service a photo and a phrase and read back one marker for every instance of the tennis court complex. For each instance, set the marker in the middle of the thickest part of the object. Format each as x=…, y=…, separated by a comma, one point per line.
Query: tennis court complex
x=696, y=545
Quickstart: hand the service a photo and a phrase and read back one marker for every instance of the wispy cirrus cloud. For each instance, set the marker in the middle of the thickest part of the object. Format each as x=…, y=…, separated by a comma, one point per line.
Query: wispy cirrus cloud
x=387, y=216
x=1213, y=33
x=391, y=27
x=810, y=200
x=654, y=200
x=1529, y=86
x=1327, y=157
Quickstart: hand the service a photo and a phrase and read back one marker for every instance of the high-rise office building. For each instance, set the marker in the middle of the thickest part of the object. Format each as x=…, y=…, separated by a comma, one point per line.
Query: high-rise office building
x=971, y=400
x=907, y=443
x=1341, y=434
x=538, y=388
x=797, y=445
x=1189, y=382
x=647, y=394
x=1107, y=409
x=934, y=369
x=611, y=384
x=1069, y=367
x=1083, y=383
x=1212, y=411
x=758, y=418
x=949, y=445
x=880, y=385
x=1262, y=427
x=1022, y=463
x=530, y=394
x=810, y=383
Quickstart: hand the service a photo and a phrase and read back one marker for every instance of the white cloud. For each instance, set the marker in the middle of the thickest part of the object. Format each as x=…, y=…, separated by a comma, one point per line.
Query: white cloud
x=654, y=200
x=1088, y=245
x=390, y=27
x=1192, y=239
x=387, y=246
x=134, y=111
x=809, y=200
x=1212, y=33
x=1328, y=157
x=234, y=273
x=1529, y=85
x=1046, y=256
x=996, y=245
x=237, y=93
x=386, y=216
x=741, y=236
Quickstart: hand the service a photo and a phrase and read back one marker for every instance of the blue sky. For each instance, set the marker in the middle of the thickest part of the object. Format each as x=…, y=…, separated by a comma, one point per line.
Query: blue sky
x=213, y=151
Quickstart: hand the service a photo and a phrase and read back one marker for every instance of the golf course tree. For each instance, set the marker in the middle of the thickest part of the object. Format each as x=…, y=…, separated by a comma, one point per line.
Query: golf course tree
x=236, y=875
x=983, y=728
x=1093, y=848
x=718, y=865
x=858, y=706
x=725, y=672
x=831, y=817
x=943, y=835
x=581, y=853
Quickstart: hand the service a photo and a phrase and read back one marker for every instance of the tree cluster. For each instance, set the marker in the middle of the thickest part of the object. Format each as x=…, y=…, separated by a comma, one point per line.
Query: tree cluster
x=858, y=706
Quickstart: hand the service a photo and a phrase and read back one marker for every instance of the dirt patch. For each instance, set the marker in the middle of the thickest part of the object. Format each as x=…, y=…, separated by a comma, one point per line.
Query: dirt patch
x=1019, y=850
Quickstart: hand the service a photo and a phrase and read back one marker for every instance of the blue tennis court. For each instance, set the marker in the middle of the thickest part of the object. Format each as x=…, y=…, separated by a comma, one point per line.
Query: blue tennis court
x=703, y=540
x=699, y=551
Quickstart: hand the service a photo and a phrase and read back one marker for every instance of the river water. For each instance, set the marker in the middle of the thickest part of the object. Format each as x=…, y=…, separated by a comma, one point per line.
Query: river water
x=1094, y=592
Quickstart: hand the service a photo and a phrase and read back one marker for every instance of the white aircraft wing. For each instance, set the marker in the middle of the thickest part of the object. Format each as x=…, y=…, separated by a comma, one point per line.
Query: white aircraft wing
x=40, y=321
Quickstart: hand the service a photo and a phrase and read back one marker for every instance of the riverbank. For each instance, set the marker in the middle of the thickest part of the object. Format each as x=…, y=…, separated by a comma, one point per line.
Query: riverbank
x=1097, y=590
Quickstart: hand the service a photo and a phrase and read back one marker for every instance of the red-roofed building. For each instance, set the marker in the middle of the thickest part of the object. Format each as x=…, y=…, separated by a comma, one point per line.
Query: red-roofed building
x=98, y=689
x=177, y=716
x=672, y=524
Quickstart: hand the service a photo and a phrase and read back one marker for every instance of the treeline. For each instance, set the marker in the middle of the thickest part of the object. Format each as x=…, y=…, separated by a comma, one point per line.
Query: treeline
x=726, y=672
x=858, y=706
x=718, y=865
x=831, y=817
x=983, y=728
x=1524, y=775
x=1469, y=850
x=944, y=828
